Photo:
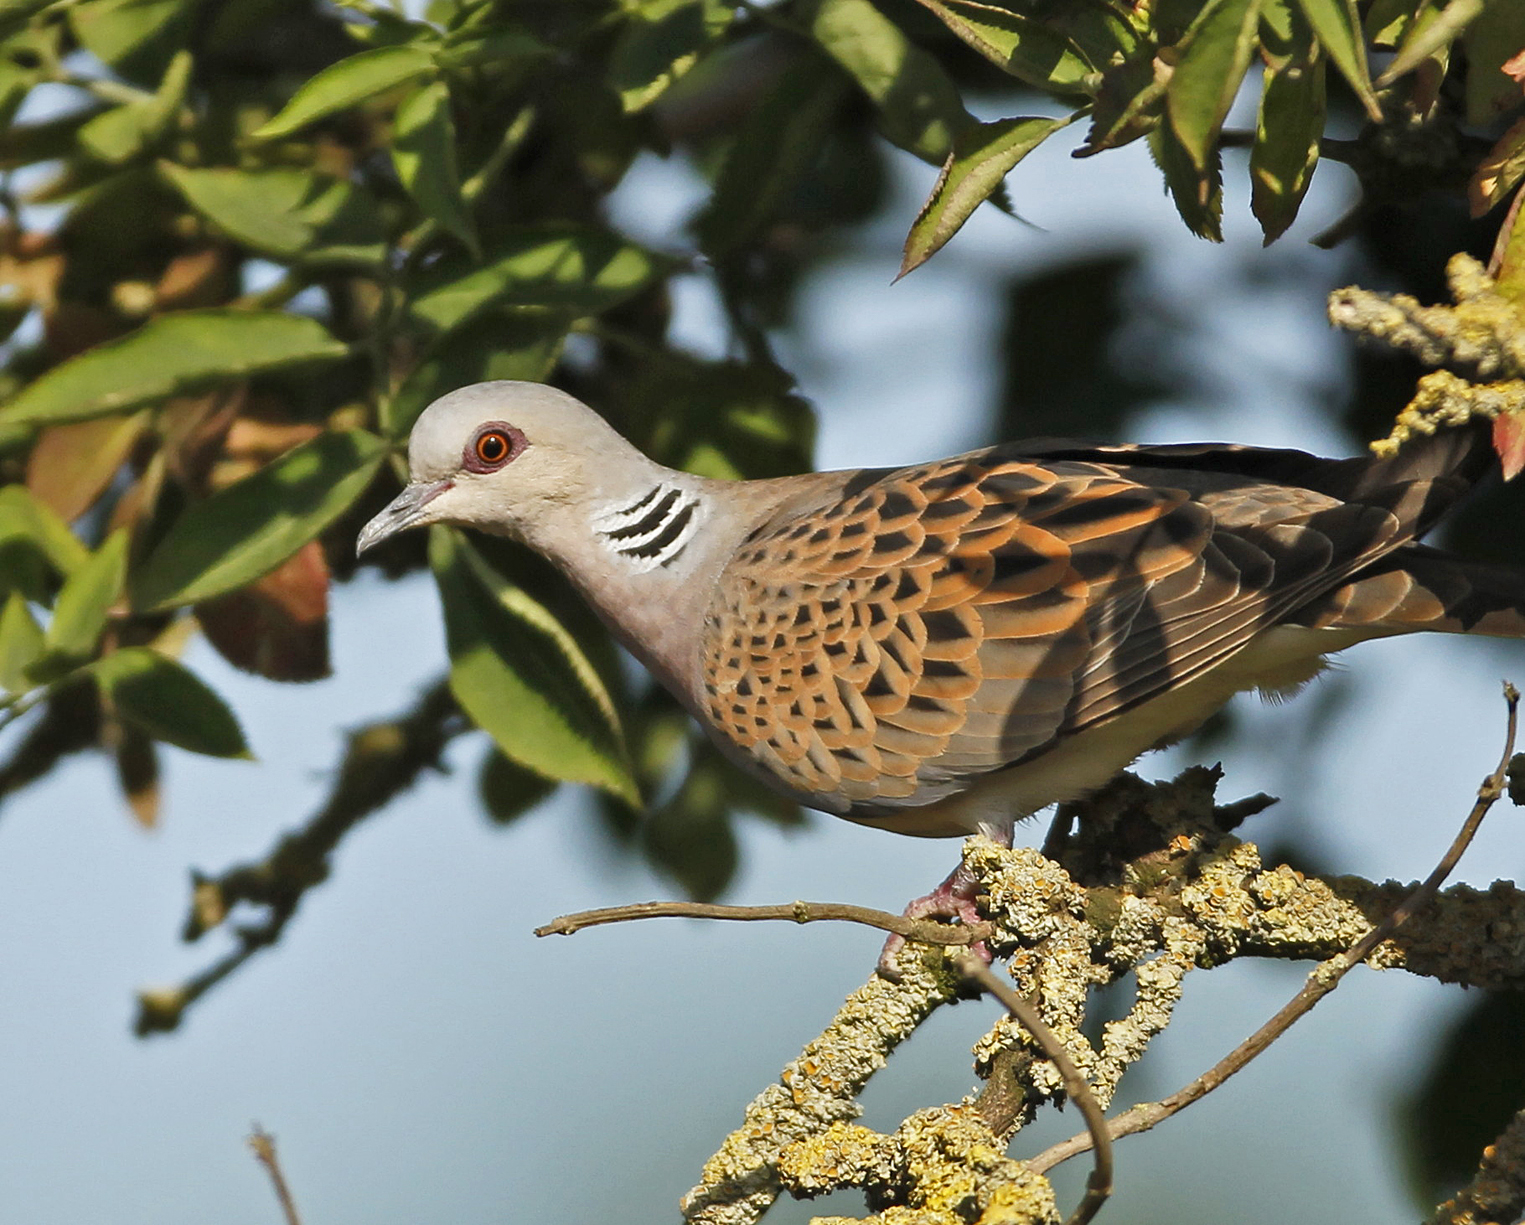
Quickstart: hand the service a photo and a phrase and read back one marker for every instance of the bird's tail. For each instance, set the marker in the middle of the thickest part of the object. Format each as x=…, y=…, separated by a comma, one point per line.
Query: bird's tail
x=1420, y=588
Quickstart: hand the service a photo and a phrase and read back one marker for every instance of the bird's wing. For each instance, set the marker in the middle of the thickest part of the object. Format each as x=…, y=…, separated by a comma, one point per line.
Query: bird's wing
x=932, y=624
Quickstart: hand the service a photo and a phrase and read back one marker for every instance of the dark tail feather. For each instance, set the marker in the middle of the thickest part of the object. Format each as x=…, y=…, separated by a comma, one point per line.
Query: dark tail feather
x=1438, y=469
x=1428, y=475
x=1420, y=588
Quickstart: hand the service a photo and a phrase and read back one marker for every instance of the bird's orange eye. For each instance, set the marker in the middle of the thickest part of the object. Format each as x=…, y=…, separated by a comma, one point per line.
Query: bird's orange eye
x=493, y=447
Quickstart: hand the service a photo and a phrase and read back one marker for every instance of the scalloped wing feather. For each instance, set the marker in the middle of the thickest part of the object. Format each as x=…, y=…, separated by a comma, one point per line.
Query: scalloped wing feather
x=930, y=625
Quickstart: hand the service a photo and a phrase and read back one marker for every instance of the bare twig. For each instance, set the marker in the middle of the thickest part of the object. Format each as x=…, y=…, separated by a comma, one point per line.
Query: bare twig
x=1320, y=983
x=380, y=761
x=1099, y=1184
x=263, y=1144
x=921, y=930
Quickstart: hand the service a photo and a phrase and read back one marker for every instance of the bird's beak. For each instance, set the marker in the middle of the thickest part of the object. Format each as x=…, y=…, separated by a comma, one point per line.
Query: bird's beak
x=406, y=510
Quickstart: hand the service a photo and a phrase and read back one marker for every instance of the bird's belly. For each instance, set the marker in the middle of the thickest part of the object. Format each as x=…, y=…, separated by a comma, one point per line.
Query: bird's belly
x=1276, y=661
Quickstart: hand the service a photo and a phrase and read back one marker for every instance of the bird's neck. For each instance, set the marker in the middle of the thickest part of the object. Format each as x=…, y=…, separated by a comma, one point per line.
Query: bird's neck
x=650, y=528
x=646, y=552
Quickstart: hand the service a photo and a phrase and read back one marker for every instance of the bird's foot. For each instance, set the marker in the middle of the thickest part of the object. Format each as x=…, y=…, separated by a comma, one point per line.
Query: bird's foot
x=953, y=899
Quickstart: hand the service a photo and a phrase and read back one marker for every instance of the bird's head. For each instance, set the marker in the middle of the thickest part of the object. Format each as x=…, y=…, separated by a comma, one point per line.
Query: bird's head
x=500, y=457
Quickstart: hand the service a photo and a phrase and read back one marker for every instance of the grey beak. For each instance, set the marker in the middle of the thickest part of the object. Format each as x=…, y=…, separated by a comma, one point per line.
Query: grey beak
x=402, y=512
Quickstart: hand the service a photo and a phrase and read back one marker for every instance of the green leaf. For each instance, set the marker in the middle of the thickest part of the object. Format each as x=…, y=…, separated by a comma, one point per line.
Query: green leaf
x=287, y=213
x=1511, y=269
x=981, y=159
x=24, y=518
x=1028, y=49
x=1387, y=21
x=691, y=836
x=168, y=356
x=1287, y=132
x=574, y=270
x=385, y=29
x=423, y=151
x=120, y=134
x=1198, y=193
x=1128, y=104
x=522, y=678
x=15, y=14
x=775, y=147
x=246, y=530
x=492, y=346
x=919, y=105
x=1339, y=32
x=1278, y=24
x=1497, y=35
x=79, y=616
x=21, y=643
x=1426, y=38
x=660, y=41
x=1215, y=56
x=509, y=790
x=1498, y=173
x=24, y=144
x=496, y=47
x=169, y=702
x=135, y=37
x=347, y=83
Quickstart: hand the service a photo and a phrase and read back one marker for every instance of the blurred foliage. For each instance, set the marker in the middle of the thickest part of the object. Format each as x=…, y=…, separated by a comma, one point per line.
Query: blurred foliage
x=1472, y=1086
x=243, y=243
x=1062, y=329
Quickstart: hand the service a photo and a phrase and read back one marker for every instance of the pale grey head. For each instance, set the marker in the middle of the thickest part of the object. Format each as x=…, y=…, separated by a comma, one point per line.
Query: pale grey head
x=508, y=457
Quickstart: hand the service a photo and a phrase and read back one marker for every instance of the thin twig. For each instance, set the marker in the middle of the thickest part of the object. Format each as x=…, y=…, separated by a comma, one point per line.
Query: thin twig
x=1099, y=1184
x=263, y=1144
x=921, y=930
x=1325, y=977
x=380, y=761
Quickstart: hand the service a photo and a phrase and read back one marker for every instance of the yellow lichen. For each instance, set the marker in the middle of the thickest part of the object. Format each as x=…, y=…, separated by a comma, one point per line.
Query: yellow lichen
x=1483, y=333
x=1197, y=898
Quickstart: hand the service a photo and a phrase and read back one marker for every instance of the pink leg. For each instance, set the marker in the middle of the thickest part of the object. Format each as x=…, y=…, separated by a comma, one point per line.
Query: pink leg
x=953, y=899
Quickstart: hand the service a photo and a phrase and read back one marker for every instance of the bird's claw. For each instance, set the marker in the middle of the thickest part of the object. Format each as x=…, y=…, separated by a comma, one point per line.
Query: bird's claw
x=953, y=899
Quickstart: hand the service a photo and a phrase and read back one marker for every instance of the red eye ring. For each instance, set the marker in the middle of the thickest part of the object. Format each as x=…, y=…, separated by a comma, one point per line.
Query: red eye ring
x=495, y=444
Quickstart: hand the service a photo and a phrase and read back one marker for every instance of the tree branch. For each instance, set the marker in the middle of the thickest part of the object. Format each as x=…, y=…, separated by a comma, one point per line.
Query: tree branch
x=1497, y=1191
x=921, y=930
x=817, y=1091
x=1099, y=1184
x=381, y=760
x=1320, y=983
x=1149, y=883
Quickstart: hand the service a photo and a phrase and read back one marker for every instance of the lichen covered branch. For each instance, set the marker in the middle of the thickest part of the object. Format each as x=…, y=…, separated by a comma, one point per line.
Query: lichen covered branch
x=1477, y=345
x=1324, y=979
x=816, y=1091
x=1148, y=883
x=1497, y=1192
